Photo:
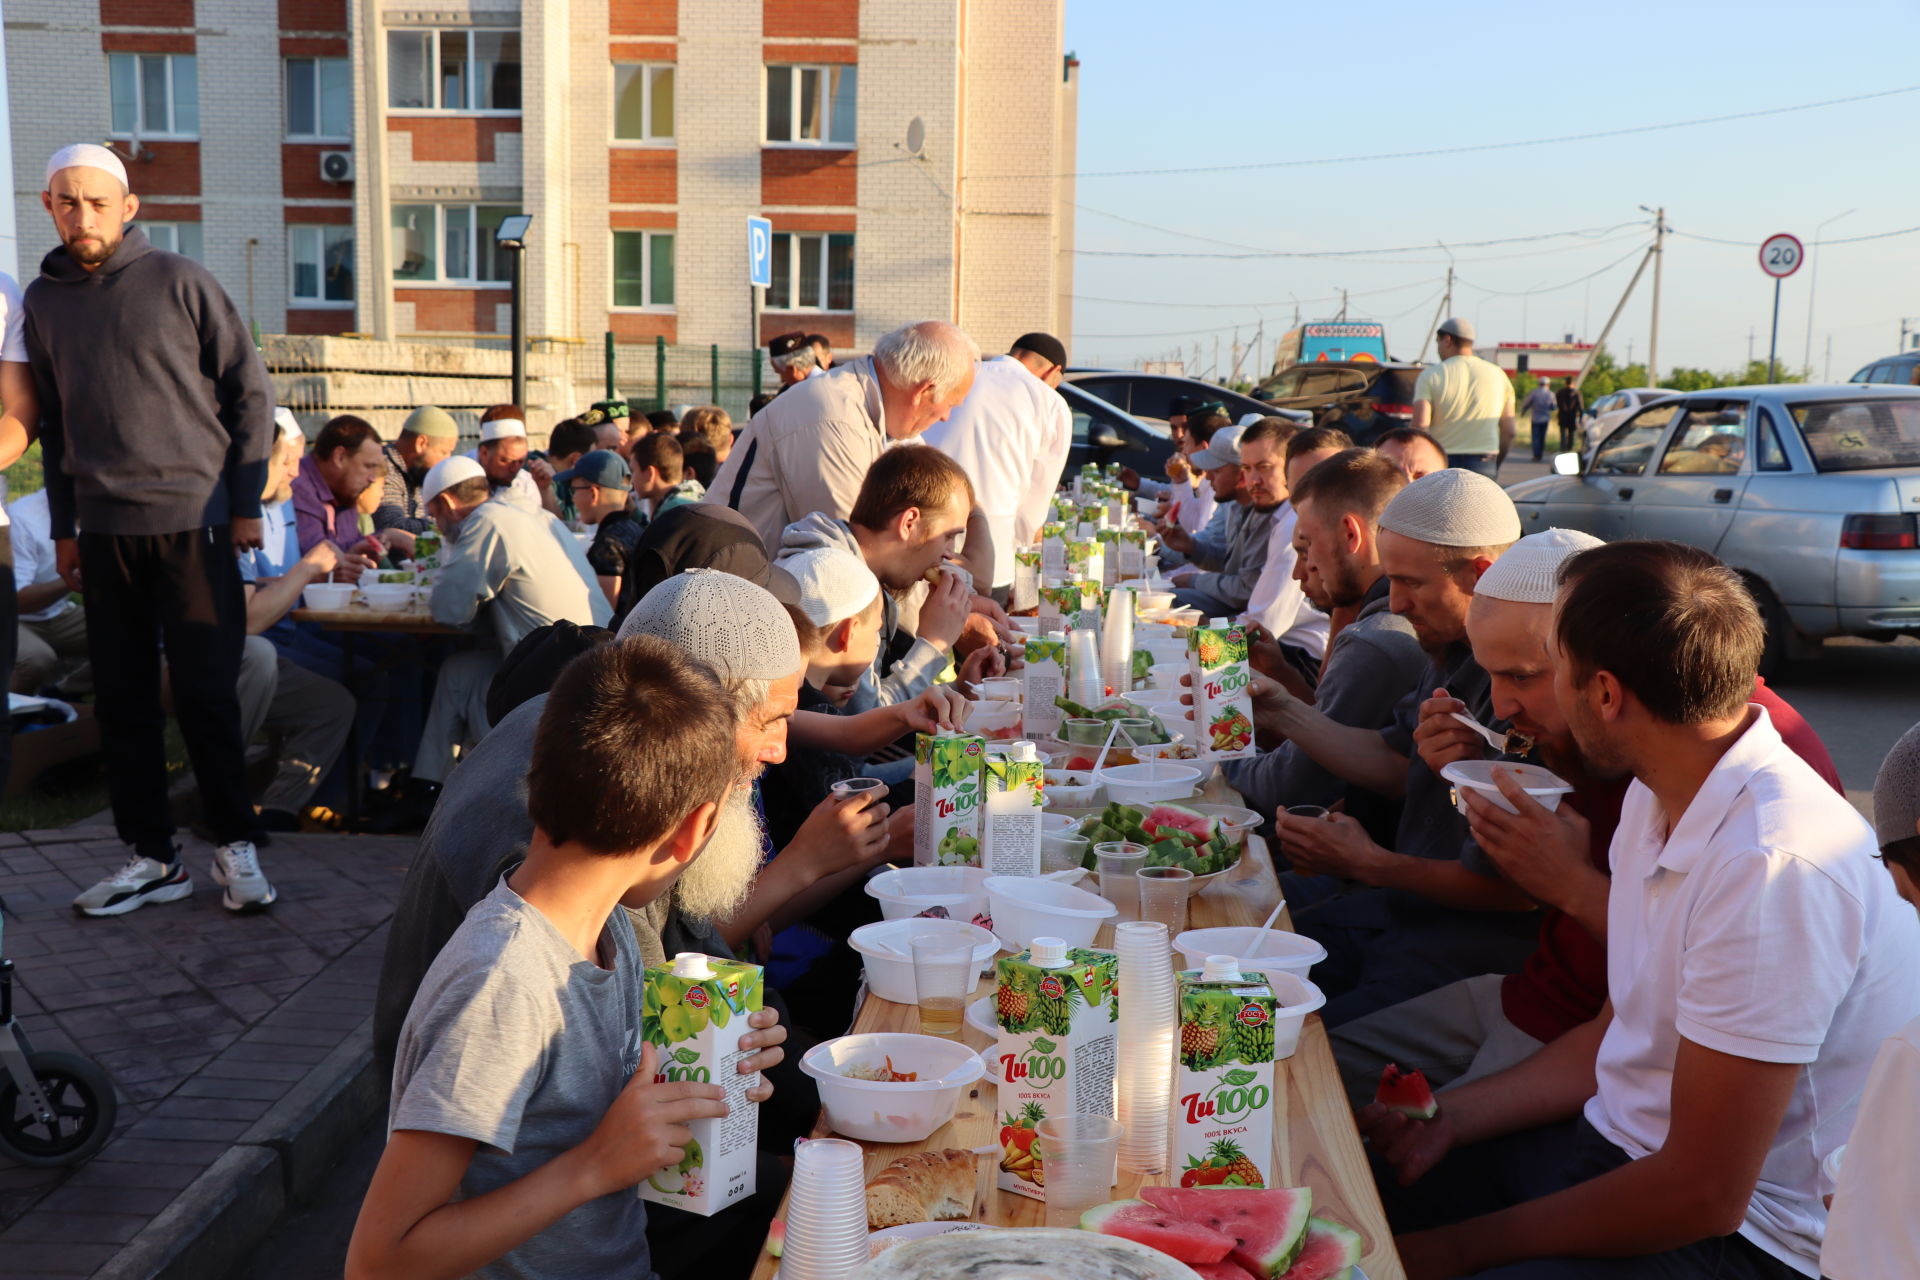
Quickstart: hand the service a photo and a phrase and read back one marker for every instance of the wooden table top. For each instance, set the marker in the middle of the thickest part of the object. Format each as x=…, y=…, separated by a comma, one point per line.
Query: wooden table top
x=360, y=618
x=1315, y=1141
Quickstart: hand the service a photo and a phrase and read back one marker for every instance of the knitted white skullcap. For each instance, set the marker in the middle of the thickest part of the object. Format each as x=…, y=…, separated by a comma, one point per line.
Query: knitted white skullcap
x=87, y=155
x=502, y=429
x=447, y=473
x=730, y=624
x=1896, y=790
x=1453, y=508
x=829, y=584
x=289, y=425
x=1528, y=571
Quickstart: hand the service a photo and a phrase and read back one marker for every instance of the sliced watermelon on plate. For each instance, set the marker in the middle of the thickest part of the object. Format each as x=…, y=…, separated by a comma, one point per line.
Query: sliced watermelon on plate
x=1266, y=1224
x=1146, y=1224
x=1228, y=1270
x=1406, y=1092
x=1330, y=1252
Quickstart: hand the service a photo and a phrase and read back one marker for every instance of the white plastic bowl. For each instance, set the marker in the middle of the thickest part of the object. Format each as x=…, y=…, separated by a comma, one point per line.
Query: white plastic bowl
x=1477, y=775
x=1148, y=783
x=1278, y=952
x=1057, y=824
x=887, y=949
x=1166, y=675
x=328, y=596
x=955, y=893
x=1234, y=821
x=388, y=597
x=1150, y=599
x=1026, y=908
x=877, y=1111
x=1073, y=789
x=1297, y=998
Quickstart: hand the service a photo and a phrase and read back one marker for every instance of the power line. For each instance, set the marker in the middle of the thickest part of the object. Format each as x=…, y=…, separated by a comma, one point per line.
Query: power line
x=1553, y=288
x=1751, y=244
x=1224, y=327
x=1255, y=306
x=1590, y=233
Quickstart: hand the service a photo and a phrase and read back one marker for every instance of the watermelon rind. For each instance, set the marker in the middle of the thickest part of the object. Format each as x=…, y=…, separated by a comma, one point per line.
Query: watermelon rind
x=1329, y=1252
x=1144, y=1223
x=1265, y=1240
x=1228, y=1270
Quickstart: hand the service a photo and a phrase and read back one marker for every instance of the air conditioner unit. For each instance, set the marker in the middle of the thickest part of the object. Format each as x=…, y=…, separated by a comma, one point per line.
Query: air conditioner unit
x=336, y=166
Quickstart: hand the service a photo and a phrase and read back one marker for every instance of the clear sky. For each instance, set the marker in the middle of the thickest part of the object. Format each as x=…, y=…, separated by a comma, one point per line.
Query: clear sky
x=1236, y=82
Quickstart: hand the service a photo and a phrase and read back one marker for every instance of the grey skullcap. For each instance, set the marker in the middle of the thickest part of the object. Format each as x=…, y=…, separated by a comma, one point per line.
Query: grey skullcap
x=1896, y=791
x=1528, y=572
x=1453, y=508
x=730, y=624
x=1458, y=327
x=433, y=422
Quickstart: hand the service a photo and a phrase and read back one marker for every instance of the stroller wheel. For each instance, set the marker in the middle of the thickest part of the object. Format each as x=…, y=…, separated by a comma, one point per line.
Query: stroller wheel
x=81, y=1096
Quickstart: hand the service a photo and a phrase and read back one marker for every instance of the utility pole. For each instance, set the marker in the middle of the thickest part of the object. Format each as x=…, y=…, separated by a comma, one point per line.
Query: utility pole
x=1606, y=329
x=1343, y=304
x=1446, y=305
x=1749, y=346
x=1813, y=282
x=1659, y=254
x=1826, y=374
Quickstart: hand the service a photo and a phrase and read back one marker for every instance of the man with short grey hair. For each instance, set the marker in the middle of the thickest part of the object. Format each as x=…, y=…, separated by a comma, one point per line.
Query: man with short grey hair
x=1466, y=402
x=809, y=450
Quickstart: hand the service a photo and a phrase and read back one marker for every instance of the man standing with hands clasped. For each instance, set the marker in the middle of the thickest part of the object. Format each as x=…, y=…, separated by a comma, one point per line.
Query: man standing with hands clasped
x=156, y=424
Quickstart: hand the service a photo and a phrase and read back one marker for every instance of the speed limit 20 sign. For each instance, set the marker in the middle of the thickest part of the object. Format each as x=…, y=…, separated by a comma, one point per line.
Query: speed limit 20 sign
x=1781, y=255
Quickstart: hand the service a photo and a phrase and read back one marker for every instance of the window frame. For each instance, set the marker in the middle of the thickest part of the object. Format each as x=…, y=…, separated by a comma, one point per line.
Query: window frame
x=648, y=138
x=286, y=91
x=647, y=237
x=825, y=141
x=441, y=280
x=826, y=283
x=1626, y=428
x=139, y=131
x=173, y=225
x=322, y=303
x=433, y=67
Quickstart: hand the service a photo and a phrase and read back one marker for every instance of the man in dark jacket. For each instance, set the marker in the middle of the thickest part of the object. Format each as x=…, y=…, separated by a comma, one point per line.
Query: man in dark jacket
x=1571, y=406
x=156, y=426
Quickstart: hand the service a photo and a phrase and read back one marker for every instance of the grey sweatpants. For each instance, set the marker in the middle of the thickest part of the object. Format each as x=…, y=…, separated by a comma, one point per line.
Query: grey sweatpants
x=458, y=716
x=1453, y=1034
x=312, y=714
x=47, y=644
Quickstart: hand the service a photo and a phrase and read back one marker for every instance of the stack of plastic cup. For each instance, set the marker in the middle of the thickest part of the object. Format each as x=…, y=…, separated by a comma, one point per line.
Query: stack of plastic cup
x=1148, y=1018
x=1116, y=641
x=826, y=1212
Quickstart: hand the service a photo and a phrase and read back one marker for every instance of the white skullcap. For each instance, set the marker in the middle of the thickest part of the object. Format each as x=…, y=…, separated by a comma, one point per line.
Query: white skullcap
x=735, y=627
x=1453, y=508
x=1528, y=572
x=1896, y=790
x=829, y=584
x=502, y=429
x=447, y=473
x=88, y=155
x=1222, y=447
x=289, y=425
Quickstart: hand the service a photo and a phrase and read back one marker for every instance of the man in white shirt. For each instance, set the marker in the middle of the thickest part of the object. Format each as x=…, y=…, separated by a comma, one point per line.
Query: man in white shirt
x=502, y=454
x=53, y=628
x=1466, y=402
x=1756, y=958
x=1011, y=435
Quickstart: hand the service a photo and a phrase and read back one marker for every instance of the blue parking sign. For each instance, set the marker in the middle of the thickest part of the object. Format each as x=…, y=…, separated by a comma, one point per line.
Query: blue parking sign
x=760, y=252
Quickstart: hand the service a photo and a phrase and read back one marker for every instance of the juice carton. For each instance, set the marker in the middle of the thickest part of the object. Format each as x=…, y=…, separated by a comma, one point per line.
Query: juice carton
x=1223, y=1085
x=1091, y=515
x=1010, y=821
x=946, y=806
x=1222, y=698
x=694, y=1012
x=1045, y=678
x=1109, y=556
x=1093, y=600
x=1053, y=549
x=1026, y=580
x=1058, y=1049
x=1130, y=555
x=1086, y=558
x=1059, y=604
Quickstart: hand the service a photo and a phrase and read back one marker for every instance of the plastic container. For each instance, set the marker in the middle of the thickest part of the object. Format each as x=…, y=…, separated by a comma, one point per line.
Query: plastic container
x=1073, y=789
x=887, y=949
x=954, y=893
x=388, y=597
x=1025, y=909
x=1056, y=824
x=1166, y=675
x=328, y=596
x=1150, y=599
x=1477, y=775
x=1278, y=952
x=1235, y=823
x=1148, y=783
x=1297, y=998
x=995, y=721
x=882, y=1111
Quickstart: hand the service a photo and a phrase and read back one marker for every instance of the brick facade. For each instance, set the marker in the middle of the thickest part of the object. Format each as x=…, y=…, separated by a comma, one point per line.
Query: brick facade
x=816, y=18
x=163, y=169
x=810, y=53
x=808, y=175
x=455, y=139
x=300, y=172
x=313, y=15
x=142, y=13
x=645, y=17
x=835, y=327
x=644, y=326
x=309, y=321
x=454, y=310
x=147, y=41
x=643, y=175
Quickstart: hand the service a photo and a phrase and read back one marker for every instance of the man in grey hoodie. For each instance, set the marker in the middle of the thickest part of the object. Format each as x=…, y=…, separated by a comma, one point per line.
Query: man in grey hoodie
x=156, y=426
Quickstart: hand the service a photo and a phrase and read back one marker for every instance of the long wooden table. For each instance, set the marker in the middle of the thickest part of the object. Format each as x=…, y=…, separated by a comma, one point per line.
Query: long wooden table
x=1315, y=1142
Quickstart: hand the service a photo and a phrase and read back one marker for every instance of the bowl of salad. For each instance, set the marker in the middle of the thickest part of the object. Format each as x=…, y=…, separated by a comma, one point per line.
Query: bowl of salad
x=890, y=1086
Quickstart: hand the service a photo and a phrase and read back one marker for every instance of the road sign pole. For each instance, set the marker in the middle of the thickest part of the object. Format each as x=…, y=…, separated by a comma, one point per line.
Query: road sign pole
x=1773, y=342
x=759, y=278
x=1780, y=257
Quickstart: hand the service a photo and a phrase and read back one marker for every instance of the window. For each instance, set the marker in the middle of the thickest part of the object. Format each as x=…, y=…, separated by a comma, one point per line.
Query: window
x=642, y=269
x=1711, y=440
x=319, y=99
x=322, y=262
x=175, y=237
x=1860, y=435
x=449, y=244
x=812, y=106
x=1626, y=451
x=643, y=102
x=466, y=70
x=1772, y=455
x=154, y=95
x=812, y=272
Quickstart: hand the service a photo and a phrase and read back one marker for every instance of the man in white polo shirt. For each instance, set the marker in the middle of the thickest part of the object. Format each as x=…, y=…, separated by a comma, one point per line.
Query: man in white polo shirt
x=1466, y=402
x=1756, y=958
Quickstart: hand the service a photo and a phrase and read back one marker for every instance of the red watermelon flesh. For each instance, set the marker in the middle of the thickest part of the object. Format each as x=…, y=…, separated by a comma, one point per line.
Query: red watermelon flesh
x=1228, y=1270
x=1331, y=1252
x=1177, y=1237
x=1407, y=1093
x=1267, y=1224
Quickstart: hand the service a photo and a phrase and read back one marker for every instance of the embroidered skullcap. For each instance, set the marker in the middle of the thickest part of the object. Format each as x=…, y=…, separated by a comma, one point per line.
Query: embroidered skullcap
x=88, y=155
x=736, y=628
x=1896, y=790
x=1528, y=572
x=1453, y=508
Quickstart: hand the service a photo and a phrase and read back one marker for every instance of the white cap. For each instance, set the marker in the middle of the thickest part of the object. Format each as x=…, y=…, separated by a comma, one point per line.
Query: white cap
x=1221, y=969
x=88, y=155
x=1221, y=448
x=1023, y=751
x=692, y=964
x=735, y=627
x=831, y=584
x=447, y=473
x=1528, y=572
x=1048, y=953
x=1454, y=508
x=502, y=429
x=289, y=425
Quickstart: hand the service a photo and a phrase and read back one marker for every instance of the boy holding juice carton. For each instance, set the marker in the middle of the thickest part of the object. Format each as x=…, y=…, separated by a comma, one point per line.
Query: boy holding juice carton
x=1059, y=1045
x=527, y=1102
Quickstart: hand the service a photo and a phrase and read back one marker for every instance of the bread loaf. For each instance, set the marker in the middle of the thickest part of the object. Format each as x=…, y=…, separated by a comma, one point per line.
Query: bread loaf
x=927, y=1186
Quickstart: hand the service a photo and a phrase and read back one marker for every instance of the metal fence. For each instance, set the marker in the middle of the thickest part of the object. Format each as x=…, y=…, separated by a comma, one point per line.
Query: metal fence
x=673, y=376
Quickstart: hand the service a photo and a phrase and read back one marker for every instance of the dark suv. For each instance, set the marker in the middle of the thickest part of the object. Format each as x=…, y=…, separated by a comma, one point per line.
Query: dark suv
x=1149, y=396
x=1364, y=398
x=1900, y=371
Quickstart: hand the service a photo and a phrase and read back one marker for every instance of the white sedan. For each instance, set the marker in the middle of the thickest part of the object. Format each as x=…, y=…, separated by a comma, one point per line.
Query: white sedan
x=1610, y=410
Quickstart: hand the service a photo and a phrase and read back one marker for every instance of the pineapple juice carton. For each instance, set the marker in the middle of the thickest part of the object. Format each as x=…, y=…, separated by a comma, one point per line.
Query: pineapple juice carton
x=694, y=1013
x=1058, y=1049
x=1010, y=814
x=1223, y=1084
x=1222, y=692
x=946, y=806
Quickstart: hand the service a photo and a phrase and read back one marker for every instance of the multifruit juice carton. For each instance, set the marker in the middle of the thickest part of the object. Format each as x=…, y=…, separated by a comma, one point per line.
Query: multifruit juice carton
x=694, y=1013
x=1109, y=556
x=1010, y=814
x=1059, y=1044
x=1044, y=679
x=1222, y=692
x=1059, y=604
x=1026, y=580
x=1131, y=554
x=946, y=806
x=1053, y=549
x=1223, y=1085
x=1086, y=557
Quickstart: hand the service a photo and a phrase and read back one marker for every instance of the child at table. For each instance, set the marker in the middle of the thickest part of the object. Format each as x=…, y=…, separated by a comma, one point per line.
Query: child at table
x=525, y=1107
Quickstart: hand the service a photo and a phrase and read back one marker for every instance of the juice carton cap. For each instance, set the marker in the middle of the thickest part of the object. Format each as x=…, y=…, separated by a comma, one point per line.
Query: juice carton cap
x=693, y=965
x=1219, y=969
x=1058, y=637
x=1049, y=953
x=1218, y=623
x=1023, y=751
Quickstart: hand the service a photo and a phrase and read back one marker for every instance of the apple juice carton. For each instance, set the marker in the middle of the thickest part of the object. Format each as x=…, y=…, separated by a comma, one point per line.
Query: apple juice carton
x=1010, y=815
x=1043, y=680
x=1086, y=557
x=946, y=806
x=1058, y=1048
x=1222, y=693
x=1223, y=1085
x=1026, y=580
x=1059, y=604
x=694, y=1012
x=1053, y=549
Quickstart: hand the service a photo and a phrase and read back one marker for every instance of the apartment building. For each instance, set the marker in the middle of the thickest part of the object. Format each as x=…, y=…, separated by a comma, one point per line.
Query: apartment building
x=344, y=165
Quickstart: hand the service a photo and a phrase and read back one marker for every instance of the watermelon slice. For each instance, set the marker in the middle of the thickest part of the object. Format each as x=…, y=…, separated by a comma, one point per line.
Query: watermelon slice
x=1175, y=1236
x=1407, y=1093
x=1331, y=1252
x=1228, y=1270
x=1267, y=1224
x=1179, y=818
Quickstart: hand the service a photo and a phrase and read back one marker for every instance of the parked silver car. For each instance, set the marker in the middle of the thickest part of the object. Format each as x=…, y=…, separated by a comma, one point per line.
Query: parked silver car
x=1812, y=493
x=1610, y=410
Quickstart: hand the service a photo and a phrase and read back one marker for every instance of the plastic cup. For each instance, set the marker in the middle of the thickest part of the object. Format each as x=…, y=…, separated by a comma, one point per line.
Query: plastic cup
x=1084, y=731
x=1117, y=861
x=1163, y=896
x=857, y=787
x=943, y=974
x=1317, y=813
x=1079, y=1153
x=826, y=1212
x=1062, y=852
x=1001, y=689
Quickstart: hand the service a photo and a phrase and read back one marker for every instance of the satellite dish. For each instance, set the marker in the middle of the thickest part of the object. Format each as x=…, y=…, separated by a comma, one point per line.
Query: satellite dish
x=916, y=136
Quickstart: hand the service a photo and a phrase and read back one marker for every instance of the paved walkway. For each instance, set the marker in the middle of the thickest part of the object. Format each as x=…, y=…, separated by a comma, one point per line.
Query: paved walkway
x=238, y=1043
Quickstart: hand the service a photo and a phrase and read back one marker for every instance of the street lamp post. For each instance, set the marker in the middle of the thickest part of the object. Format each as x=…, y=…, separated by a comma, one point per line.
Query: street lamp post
x=1813, y=282
x=512, y=239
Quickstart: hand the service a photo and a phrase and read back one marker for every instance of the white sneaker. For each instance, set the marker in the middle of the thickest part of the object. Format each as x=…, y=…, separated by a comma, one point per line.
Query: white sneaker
x=133, y=886
x=237, y=866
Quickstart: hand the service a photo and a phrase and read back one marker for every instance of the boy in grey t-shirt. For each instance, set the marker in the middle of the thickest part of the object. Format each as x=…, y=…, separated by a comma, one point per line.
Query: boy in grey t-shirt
x=525, y=1105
